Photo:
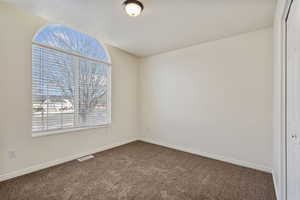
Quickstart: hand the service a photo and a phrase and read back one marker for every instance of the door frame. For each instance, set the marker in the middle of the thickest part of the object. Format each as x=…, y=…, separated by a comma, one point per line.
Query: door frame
x=283, y=9
x=287, y=12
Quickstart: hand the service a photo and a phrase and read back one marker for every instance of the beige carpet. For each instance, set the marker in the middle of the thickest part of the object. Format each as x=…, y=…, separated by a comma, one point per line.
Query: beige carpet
x=142, y=171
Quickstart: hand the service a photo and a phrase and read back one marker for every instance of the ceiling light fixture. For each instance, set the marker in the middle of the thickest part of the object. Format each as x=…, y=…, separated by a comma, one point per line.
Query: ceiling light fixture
x=133, y=7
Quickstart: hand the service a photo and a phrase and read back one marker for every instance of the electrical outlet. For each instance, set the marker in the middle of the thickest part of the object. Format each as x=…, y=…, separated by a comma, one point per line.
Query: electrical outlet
x=12, y=154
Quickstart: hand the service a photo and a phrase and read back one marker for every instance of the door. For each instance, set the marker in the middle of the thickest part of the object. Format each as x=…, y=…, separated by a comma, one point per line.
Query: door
x=293, y=102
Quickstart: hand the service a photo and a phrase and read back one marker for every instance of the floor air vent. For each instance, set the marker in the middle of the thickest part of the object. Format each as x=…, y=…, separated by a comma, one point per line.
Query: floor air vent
x=84, y=158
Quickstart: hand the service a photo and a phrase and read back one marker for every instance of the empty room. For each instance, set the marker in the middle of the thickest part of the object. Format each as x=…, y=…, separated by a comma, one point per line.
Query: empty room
x=149, y=100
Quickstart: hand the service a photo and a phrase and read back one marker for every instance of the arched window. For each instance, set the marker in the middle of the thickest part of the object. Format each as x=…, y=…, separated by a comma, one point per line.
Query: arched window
x=70, y=81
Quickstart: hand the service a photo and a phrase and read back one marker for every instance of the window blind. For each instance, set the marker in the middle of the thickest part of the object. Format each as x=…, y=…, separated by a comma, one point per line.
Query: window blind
x=68, y=91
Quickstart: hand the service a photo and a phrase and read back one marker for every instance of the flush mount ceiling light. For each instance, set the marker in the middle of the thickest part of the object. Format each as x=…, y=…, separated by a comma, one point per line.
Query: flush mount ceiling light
x=133, y=7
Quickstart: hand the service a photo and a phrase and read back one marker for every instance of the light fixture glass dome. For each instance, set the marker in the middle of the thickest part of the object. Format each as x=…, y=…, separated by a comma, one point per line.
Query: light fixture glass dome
x=133, y=7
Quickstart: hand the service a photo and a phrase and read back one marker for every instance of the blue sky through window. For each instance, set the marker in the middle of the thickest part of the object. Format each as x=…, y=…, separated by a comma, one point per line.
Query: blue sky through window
x=70, y=40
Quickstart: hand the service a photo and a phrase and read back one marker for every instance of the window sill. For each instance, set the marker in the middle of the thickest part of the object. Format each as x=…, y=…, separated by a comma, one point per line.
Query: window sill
x=64, y=131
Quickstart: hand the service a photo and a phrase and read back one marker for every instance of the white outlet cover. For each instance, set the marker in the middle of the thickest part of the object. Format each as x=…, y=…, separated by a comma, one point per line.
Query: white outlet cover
x=12, y=154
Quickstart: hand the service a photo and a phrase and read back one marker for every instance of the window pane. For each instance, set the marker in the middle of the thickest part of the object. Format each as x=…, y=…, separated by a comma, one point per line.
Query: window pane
x=62, y=37
x=52, y=89
x=92, y=93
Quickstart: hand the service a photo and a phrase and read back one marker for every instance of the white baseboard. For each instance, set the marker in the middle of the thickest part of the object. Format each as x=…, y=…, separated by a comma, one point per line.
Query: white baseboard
x=38, y=167
x=41, y=166
x=213, y=156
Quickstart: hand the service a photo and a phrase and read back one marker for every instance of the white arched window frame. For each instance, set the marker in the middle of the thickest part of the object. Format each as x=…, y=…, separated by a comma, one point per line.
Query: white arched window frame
x=71, y=81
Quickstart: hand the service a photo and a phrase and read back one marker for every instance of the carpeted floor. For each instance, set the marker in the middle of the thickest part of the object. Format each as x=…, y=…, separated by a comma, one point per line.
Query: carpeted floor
x=142, y=171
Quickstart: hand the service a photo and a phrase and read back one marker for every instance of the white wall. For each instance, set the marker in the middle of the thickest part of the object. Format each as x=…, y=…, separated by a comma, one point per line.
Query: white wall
x=17, y=30
x=213, y=99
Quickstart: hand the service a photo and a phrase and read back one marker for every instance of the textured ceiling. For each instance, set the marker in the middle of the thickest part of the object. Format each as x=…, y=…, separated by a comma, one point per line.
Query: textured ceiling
x=164, y=25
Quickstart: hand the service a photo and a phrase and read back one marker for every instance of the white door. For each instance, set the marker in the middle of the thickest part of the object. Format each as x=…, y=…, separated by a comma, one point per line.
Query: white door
x=293, y=102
